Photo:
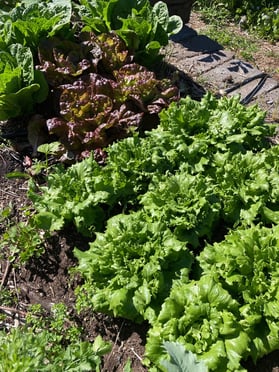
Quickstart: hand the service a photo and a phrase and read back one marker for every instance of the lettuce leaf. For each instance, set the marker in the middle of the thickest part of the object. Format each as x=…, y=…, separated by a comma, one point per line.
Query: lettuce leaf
x=97, y=108
x=21, y=87
x=181, y=143
x=181, y=359
x=184, y=184
x=16, y=104
x=136, y=259
x=189, y=204
x=198, y=323
x=233, y=306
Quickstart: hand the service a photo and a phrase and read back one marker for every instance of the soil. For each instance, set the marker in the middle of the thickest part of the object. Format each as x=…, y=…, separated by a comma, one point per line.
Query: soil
x=46, y=280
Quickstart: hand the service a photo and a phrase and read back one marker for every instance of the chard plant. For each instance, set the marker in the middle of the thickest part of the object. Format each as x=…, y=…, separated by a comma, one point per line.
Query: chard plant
x=144, y=29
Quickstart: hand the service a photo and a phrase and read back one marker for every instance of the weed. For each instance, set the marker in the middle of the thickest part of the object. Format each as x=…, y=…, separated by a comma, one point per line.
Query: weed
x=6, y=297
x=5, y=214
x=212, y=12
x=261, y=18
x=44, y=166
x=21, y=241
x=49, y=344
x=245, y=47
x=58, y=323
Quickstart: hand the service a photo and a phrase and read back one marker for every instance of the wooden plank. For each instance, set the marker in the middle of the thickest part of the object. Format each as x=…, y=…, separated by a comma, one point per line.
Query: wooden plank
x=197, y=64
x=230, y=74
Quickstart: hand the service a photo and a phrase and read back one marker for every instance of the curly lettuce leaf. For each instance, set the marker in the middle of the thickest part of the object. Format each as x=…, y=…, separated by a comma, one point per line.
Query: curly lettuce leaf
x=137, y=260
x=231, y=312
x=140, y=85
x=195, y=315
x=114, y=52
x=133, y=162
x=91, y=116
x=95, y=109
x=251, y=184
x=246, y=263
x=189, y=204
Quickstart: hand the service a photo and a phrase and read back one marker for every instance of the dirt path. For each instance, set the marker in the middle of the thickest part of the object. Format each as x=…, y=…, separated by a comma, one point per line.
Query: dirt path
x=266, y=58
x=225, y=72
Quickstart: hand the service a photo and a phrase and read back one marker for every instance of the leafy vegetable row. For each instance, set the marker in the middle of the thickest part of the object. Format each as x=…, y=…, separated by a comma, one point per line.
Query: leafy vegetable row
x=181, y=222
x=85, y=89
x=204, y=138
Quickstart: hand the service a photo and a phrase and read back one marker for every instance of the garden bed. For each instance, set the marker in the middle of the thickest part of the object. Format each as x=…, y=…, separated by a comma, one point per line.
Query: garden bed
x=47, y=279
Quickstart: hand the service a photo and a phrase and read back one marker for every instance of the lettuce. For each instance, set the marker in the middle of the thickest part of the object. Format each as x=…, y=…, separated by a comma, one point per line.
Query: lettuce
x=21, y=29
x=190, y=205
x=97, y=108
x=249, y=187
x=195, y=315
x=159, y=213
x=231, y=312
x=129, y=268
x=186, y=141
x=21, y=87
x=148, y=247
x=246, y=263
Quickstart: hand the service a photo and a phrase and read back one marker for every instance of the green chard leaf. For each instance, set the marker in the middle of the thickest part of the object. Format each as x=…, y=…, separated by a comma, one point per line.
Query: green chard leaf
x=143, y=28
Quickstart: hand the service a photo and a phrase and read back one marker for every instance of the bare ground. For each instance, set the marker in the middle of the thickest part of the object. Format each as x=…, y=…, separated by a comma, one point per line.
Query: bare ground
x=265, y=58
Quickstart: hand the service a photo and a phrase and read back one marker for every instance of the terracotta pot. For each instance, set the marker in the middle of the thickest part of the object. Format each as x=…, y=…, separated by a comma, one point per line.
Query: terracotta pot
x=179, y=7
